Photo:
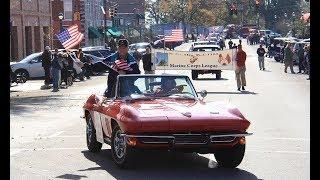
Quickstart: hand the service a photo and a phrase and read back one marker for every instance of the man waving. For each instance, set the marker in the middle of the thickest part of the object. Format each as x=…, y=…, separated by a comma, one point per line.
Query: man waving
x=121, y=62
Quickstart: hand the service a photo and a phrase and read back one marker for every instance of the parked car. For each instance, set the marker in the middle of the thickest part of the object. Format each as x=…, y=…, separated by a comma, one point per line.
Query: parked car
x=98, y=51
x=31, y=66
x=141, y=47
x=163, y=112
x=207, y=47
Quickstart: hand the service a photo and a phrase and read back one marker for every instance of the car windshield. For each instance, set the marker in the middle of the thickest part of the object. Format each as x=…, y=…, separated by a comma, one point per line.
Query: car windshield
x=149, y=87
x=95, y=53
x=30, y=57
x=141, y=46
x=105, y=53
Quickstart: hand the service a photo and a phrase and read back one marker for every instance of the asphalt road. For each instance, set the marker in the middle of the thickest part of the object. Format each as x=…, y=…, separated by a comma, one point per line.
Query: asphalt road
x=48, y=136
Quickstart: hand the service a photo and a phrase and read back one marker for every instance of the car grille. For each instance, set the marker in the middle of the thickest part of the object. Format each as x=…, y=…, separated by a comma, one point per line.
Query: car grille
x=191, y=139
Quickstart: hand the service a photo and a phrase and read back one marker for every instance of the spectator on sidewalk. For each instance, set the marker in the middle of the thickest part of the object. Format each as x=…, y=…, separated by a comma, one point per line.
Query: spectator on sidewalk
x=113, y=45
x=46, y=64
x=56, y=67
x=307, y=59
x=261, y=52
x=147, y=65
x=240, y=41
x=288, y=58
x=86, y=69
x=137, y=55
x=230, y=43
x=300, y=52
x=241, y=57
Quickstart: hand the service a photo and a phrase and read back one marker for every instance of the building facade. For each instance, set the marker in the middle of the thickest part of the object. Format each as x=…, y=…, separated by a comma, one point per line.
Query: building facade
x=30, y=27
x=72, y=15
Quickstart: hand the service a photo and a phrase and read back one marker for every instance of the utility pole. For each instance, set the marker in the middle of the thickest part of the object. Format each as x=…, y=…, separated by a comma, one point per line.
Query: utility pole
x=105, y=23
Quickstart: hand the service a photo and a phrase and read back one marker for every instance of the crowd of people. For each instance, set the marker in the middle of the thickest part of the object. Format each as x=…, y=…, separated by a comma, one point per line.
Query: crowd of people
x=59, y=68
x=290, y=55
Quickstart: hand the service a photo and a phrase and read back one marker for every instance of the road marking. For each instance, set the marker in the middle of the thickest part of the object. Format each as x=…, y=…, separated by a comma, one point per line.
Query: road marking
x=55, y=134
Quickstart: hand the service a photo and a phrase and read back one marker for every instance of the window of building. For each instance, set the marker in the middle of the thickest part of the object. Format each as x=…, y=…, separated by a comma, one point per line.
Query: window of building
x=67, y=6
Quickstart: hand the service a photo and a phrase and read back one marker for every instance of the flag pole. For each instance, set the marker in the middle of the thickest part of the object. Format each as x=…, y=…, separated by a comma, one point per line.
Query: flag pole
x=164, y=50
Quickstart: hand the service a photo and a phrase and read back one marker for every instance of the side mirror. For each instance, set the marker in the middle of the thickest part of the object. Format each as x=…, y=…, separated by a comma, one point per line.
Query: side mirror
x=203, y=93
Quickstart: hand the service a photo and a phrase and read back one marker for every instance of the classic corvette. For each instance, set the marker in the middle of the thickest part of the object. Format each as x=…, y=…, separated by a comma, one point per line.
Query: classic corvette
x=163, y=112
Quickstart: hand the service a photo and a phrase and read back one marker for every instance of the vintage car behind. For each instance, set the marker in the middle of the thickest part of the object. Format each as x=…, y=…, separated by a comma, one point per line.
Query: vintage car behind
x=163, y=112
x=205, y=47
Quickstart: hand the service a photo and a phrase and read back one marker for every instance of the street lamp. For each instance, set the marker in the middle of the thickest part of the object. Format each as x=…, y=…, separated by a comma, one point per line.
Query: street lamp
x=60, y=16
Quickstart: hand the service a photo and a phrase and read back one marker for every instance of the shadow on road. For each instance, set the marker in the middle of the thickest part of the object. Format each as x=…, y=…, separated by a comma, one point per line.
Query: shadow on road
x=206, y=79
x=266, y=71
x=23, y=105
x=238, y=92
x=165, y=165
x=71, y=176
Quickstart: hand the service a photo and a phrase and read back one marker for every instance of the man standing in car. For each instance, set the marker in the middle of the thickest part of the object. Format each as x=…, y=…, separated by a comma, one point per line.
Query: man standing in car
x=46, y=64
x=261, y=52
x=241, y=57
x=122, y=63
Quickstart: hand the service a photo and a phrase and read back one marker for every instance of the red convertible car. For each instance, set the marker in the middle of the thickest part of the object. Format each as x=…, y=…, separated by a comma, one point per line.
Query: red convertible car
x=163, y=112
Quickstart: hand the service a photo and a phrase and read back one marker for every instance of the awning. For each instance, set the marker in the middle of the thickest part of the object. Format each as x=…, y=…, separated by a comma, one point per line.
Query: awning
x=113, y=32
x=94, y=33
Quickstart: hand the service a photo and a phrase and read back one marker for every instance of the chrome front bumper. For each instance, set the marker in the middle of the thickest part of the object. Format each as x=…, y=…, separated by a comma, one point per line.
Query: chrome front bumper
x=187, y=139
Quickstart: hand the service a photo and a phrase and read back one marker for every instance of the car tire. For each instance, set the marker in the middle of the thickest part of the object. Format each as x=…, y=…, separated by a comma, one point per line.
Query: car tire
x=92, y=143
x=194, y=74
x=230, y=158
x=121, y=153
x=218, y=75
x=22, y=73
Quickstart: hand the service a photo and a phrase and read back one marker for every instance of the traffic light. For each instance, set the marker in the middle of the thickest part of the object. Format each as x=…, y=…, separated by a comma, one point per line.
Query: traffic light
x=115, y=12
x=257, y=4
x=111, y=12
x=233, y=10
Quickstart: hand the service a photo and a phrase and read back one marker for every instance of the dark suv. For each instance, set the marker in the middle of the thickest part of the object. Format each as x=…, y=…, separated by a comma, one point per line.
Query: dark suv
x=208, y=47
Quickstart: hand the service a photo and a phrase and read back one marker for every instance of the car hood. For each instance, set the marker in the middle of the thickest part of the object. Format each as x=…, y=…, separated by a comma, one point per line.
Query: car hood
x=189, y=115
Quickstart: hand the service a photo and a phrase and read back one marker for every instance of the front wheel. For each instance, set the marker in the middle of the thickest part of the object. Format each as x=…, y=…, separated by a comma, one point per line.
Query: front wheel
x=92, y=143
x=230, y=158
x=218, y=75
x=119, y=149
x=194, y=74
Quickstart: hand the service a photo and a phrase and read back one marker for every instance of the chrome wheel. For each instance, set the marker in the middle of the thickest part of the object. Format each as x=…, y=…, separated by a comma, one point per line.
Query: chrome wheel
x=89, y=130
x=119, y=145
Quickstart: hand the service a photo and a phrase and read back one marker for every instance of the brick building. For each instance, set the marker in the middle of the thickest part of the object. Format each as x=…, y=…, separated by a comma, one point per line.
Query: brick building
x=72, y=10
x=30, y=27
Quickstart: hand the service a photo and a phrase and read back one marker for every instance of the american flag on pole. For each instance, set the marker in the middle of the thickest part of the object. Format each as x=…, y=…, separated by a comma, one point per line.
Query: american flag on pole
x=173, y=35
x=70, y=37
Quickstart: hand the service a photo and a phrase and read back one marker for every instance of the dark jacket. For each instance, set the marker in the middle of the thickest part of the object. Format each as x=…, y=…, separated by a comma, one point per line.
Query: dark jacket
x=112, y=76
x=261, y=51
x=56, y=63
x=146, y=60
x=46, y=59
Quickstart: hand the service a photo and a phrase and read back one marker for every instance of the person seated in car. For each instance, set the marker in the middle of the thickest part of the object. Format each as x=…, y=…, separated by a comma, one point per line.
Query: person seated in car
x=168, y=86
x=131, y=88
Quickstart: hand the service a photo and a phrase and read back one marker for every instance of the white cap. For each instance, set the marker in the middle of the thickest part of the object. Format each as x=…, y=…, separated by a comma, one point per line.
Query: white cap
x=47, y=48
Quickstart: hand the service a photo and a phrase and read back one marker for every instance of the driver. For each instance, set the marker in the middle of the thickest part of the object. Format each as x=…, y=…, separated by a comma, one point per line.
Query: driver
x=168, y=85
x=123, y=63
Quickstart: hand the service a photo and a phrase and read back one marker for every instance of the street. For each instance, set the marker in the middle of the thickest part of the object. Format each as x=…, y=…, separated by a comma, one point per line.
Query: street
x=48, y=140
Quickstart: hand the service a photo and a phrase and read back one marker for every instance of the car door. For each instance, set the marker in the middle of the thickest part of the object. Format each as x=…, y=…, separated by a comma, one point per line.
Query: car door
x=35, y=68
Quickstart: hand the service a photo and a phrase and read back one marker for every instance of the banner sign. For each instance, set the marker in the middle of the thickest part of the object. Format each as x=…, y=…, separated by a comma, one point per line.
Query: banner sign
x=194, y=60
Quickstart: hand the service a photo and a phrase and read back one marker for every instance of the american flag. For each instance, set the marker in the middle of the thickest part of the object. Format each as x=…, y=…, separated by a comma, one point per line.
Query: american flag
x=173, y=35
x=118, y=65
x=70, y=37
